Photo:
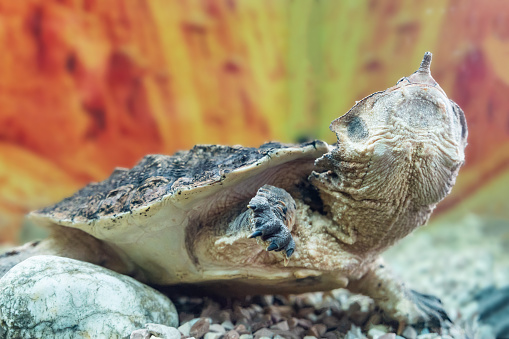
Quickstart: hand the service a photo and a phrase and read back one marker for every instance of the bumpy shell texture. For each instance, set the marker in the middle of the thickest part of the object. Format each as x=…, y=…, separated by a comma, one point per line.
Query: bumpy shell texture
x=158, y=176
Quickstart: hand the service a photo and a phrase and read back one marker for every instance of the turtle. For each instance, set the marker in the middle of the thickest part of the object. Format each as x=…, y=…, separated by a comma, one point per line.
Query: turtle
x=280, y=218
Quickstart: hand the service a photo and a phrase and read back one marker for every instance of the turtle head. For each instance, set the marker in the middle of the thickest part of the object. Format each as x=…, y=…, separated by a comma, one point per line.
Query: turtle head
x=408, y=139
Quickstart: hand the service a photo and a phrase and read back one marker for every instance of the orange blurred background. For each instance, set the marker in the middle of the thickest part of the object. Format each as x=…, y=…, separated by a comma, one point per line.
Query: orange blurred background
x=86, y=85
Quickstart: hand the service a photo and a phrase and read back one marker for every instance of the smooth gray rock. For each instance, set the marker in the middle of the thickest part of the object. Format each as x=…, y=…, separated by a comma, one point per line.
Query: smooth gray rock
x=54, y=297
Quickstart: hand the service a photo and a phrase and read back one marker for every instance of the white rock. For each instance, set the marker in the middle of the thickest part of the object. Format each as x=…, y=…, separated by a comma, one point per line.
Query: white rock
x=228, y=325
x=163, y=331
x=375, y=333
x=54, y=297
x=217, y=328
x=213, y=335
x=140, y=334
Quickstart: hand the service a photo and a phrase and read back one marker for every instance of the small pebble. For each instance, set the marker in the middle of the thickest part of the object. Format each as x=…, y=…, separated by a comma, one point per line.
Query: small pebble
x=298, y=331
x=212, y=335
x=246, y=336
x=140, y=334
x=241, y=329
x=228, y=325
x=217, y=328
x=163, y=331
x=428, y=336
x=199, y=328
x=409, y=332
x=231, y=335
x=211, y=310
x=317, y=330
x=388, y=336
x=304, y=312
x=225, y=316
x=331, y=322
x=305, y=323
x=186, y=327
x=375, y=319
x=283, y=325
x=375, y=333
x=292, y=322
x=285, y=334
x=264, y=332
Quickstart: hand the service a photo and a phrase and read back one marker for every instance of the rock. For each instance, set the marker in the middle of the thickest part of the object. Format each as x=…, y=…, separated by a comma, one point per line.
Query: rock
x=285, y=334
x=241, y=329
x=409, y=332
x=163, y=331
x=305, y=323
x=355, y=333
x=217, y=328
x=375, y=333
x=246, y=336
x=211, y=310
x=388, y=336
x=344, y=325
x=333, y=335
x=200, y=327
x=260, y=324
x=48, y=296
x=186, y=327
x=264, y=332
x=140, y=334
x=228, y=325
x=331, y=322
x=231, y=335
x=428, y=336
x=292, y=322
x=283, y=325
x=317, y=330
x=212, y=335
x=225, y=316
x=298, y=331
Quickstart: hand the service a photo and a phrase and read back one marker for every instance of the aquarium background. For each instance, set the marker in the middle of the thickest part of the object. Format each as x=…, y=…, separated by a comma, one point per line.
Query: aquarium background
x=86, y=86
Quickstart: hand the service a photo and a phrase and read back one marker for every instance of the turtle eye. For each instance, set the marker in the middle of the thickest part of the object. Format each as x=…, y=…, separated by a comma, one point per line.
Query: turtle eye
x=357, y=129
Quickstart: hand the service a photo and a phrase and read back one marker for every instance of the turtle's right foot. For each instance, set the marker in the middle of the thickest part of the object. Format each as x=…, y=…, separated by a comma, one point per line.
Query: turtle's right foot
x=273, y=217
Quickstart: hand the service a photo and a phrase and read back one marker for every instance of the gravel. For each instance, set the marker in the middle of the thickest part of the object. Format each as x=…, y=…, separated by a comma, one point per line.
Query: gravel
x=334, y=314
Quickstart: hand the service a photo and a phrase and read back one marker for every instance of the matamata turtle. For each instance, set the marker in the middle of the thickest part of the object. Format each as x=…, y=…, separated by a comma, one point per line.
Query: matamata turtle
x=280, y=218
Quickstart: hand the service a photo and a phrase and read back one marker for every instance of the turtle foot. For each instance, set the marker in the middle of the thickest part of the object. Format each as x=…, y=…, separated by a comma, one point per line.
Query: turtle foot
x=273, y=217
x=431, y=309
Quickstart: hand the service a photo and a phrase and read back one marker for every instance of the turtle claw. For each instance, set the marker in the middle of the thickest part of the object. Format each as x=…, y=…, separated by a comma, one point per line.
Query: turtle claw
x=432, y=309
x=289, y=252
x=271, y=218
x=272, y=246
x=255, y=234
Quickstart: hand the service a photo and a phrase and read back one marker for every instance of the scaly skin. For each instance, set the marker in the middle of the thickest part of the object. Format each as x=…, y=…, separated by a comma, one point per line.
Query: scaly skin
x=398, y=154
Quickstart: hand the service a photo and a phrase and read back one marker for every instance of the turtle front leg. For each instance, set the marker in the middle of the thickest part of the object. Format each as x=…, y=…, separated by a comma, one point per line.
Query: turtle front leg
x=272, y=218
x=397, y=301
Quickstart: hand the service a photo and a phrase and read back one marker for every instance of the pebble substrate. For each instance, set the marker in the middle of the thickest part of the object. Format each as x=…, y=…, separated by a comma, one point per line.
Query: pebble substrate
x=334, y=314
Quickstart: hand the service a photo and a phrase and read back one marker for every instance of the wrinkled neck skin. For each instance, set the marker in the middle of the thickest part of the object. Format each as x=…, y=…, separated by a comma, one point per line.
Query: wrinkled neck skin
x=378, y=193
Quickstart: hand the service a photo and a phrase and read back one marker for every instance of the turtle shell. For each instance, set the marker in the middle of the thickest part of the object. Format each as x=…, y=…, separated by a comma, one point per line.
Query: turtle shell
x=125, y=199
